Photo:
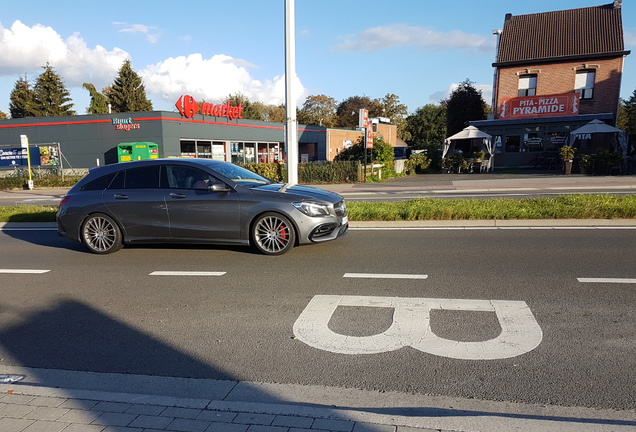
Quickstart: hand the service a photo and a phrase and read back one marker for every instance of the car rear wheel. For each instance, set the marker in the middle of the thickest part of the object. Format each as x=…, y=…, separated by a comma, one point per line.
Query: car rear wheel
x=273, y=234
x=101, y=234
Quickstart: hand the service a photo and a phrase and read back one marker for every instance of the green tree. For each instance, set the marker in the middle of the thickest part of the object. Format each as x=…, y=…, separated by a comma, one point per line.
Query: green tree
x=270, y=113
x=50, y=96
x=627, y=114
x=382, y=152
x=128, y=92
x=427, y=127
x=396, y=112
x=464, y=104
x=318, y=110
x=3, y=115
x=21, y=99
x=99, y=103
x=250, y=111
x=349, y=109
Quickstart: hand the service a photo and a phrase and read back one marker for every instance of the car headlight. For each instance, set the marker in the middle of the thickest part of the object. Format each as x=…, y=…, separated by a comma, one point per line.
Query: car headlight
x=312, y=209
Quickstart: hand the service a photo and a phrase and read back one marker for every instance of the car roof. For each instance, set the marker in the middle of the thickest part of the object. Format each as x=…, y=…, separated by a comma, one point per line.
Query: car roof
x=150, y=162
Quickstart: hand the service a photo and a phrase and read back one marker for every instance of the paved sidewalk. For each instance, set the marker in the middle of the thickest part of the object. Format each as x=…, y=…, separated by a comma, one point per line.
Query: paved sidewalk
x=49, y=400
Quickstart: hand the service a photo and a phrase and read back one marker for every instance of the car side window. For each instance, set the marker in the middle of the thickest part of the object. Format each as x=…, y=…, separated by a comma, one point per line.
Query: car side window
x=142, y=178
x=100, y=183
x=182, y=177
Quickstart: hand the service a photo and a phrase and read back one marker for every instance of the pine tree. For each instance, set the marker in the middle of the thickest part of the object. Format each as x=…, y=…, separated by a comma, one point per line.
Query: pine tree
x=128, y=92
x=51, y=98
x=21, y=99
x=99, y=104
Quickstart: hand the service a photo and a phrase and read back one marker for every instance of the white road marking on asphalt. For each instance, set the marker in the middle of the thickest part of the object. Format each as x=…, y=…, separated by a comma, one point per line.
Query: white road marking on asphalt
x=186, y=273
x=385, y=276
x=28, y=229
x=607, y=280
x=520, y=332
x=23, y=271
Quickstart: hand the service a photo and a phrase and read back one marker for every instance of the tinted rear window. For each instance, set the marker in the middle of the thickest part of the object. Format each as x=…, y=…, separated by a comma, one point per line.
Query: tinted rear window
x=100, y=183
x=142, y=178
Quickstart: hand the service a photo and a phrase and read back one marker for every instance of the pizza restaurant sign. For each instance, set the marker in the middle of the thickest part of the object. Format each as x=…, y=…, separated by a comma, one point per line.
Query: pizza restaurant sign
x=188, y=107
x=540, y=106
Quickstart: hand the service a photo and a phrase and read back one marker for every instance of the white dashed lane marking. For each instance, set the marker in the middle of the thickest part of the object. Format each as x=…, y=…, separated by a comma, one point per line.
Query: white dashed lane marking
x=385, y=276
x=607, y=280
x=23, y=271
x=186, y=273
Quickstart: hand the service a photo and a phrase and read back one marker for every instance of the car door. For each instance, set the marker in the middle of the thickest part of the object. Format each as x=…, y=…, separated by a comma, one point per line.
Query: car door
x=137, y=202
x=198, y=213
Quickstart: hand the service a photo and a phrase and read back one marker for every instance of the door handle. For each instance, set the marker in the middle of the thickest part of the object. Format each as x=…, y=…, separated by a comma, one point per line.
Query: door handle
x=177, y=196
x=120, y=196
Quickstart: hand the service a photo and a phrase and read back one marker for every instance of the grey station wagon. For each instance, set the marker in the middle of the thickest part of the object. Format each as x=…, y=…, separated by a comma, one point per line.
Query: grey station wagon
x=196, y=201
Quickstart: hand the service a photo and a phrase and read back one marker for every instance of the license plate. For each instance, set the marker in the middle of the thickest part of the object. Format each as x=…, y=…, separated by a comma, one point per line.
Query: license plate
x=345, y=220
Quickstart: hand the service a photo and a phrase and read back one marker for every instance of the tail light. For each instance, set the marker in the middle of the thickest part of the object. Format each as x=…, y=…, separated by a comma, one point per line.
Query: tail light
x=66, y=199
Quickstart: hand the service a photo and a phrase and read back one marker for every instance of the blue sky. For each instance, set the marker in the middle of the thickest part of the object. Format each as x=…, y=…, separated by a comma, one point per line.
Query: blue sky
x=416, y=49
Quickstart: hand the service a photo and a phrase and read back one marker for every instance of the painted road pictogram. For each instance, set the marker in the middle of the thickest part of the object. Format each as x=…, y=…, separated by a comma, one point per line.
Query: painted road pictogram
x=520, y=332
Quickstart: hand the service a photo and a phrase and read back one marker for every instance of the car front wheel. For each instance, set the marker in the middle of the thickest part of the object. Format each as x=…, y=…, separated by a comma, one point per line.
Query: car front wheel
x=101, y=234
x=273, y=234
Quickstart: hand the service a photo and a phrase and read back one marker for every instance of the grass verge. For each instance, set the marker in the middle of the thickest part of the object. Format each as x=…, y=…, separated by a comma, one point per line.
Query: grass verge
x=558, y=207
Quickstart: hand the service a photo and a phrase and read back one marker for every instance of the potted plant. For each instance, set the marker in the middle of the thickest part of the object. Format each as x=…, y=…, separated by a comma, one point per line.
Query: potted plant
x=586, y=163
x=566, y=153
x=478, y=158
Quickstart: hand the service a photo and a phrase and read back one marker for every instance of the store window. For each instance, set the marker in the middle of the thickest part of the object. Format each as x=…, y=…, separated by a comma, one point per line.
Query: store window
x=218, y=150
x=528, y=85
x=532, y=140
x=555, y=141
x=188, y=148
x=584, y=83
x=513, y=144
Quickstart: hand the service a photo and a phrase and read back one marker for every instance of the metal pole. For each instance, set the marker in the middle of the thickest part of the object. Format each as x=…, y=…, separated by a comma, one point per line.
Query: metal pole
x=291, y=125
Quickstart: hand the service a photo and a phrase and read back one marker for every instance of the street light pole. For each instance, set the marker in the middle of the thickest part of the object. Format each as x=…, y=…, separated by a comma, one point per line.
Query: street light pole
x=291, y=125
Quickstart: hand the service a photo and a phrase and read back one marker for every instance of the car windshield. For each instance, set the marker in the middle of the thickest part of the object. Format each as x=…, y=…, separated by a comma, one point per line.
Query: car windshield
x=240, y=175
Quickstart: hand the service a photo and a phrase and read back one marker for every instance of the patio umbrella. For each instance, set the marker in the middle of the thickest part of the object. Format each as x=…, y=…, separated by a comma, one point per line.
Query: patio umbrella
x=597, y=126
x=471, y=132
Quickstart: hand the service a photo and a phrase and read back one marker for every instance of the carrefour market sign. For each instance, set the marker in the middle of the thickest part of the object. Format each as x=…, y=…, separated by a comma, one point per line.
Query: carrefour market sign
x=540, y=106
x=188, y=107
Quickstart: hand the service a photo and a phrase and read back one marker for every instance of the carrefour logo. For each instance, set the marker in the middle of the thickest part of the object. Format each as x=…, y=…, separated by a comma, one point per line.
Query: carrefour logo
x=188, y=108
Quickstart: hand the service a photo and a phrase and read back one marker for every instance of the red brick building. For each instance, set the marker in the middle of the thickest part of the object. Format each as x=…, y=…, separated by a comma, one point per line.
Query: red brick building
x=555, y=72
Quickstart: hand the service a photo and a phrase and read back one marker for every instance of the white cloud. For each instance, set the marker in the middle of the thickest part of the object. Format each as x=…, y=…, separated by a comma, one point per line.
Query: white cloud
x=152, y=33
x=212, y=79
x=26, y=49
x=398, y=35
x=630, y=37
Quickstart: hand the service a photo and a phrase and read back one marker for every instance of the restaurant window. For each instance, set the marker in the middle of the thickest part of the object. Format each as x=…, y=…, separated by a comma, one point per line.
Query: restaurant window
x=513, y=144
x=528, y=85
x=532, y=140
x=584, y=83
x=556, y=140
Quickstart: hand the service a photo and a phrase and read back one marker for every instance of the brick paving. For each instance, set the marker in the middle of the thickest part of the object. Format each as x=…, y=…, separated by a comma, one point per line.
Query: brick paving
x=25, y=413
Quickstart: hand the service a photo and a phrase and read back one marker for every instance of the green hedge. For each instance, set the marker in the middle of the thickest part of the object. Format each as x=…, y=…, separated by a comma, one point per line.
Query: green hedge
x=310, y=173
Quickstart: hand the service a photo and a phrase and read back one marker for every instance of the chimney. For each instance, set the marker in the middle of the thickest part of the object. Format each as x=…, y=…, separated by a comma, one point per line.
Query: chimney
x=618, y=4
x=509, y=15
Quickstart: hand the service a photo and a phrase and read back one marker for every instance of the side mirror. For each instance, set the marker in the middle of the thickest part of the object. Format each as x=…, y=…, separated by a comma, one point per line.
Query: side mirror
x=218, y=187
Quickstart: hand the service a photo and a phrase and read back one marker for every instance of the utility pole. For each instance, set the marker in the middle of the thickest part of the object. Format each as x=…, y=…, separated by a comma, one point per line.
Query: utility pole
x=291, y=124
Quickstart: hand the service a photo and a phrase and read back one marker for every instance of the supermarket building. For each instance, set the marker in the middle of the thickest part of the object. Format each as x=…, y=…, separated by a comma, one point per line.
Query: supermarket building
x=196, y=130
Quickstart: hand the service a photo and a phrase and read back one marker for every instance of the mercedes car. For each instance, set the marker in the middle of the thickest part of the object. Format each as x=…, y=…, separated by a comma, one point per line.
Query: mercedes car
x=196, y=201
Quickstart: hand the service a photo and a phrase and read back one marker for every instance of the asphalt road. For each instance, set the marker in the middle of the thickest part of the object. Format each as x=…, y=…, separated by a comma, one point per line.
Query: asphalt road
x=112, y=314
